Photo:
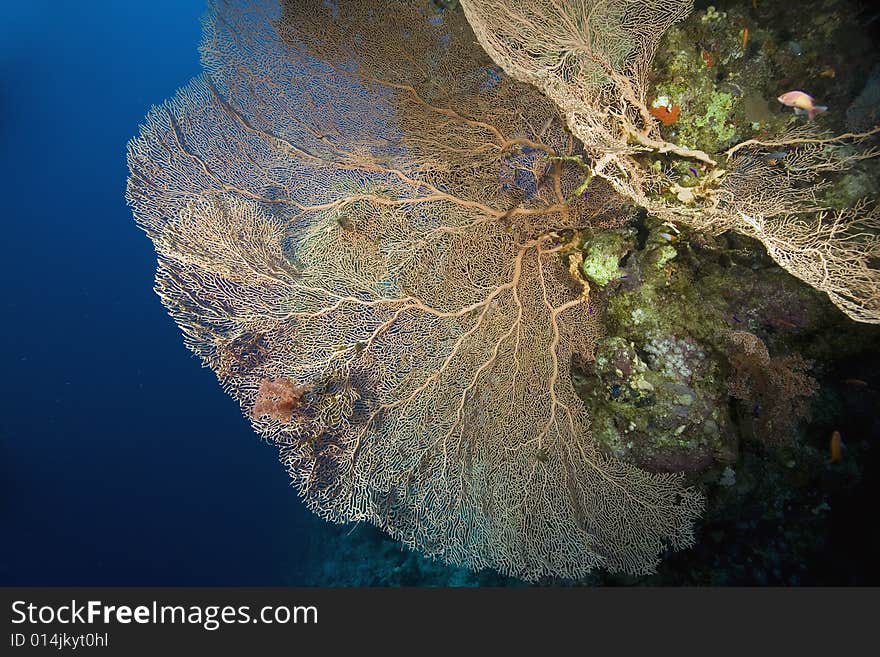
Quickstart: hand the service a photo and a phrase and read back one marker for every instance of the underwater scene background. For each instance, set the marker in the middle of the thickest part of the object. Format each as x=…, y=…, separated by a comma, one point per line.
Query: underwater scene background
x=124, y=463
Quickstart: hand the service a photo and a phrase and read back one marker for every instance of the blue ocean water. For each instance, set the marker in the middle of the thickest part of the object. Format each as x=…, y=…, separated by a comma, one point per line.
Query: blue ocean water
x=121, y=461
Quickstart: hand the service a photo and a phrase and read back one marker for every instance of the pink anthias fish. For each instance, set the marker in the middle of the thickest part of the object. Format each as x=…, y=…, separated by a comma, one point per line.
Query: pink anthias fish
x=802, y=103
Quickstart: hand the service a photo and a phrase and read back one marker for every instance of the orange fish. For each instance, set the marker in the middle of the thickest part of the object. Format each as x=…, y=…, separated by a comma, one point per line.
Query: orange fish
x=835, y=445
x=855, y=382
x=802, y=103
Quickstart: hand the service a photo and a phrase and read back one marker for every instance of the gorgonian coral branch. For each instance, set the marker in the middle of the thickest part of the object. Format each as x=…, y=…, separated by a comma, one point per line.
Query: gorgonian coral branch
x=356, y=207
x=591, y=58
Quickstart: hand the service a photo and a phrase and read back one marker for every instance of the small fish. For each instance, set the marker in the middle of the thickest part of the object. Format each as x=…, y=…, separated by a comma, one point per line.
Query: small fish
x=827, y=72
x=855, y=382
x=802, y=103
x=694, y=172
x=835, y=445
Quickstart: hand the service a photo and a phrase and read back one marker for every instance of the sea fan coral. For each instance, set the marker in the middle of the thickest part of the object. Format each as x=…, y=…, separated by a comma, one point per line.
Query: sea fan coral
x=356, y=199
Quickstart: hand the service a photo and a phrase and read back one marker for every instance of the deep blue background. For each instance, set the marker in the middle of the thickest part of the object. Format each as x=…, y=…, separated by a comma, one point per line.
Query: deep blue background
x=121, y=460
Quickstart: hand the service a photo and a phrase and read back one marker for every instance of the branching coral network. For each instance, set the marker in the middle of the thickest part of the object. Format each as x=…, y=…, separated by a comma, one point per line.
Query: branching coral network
x=592, y=57
x=368, y=232
x=364, y=229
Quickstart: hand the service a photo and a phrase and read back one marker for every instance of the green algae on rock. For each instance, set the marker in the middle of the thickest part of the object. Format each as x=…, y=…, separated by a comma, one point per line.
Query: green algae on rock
x=603, y=252
x=656, y=385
